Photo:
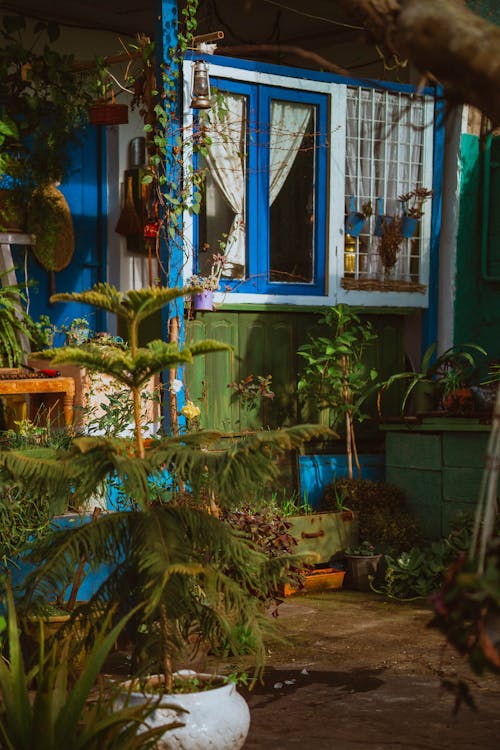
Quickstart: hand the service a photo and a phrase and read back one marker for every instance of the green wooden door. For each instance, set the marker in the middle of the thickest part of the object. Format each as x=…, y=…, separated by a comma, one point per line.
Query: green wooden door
x=266, y=343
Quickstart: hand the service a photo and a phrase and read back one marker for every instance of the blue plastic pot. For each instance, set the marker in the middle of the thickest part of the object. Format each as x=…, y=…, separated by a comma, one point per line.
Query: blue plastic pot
x=409, y=226
x=354, y=223
x=382, y=221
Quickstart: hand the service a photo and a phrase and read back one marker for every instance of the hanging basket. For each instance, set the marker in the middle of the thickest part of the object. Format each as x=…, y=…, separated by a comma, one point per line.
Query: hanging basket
x=49, y=218
x=108, y=113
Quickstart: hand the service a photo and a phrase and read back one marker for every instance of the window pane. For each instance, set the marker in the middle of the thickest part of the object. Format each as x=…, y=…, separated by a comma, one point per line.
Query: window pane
x=291, y=192
x=222, y=215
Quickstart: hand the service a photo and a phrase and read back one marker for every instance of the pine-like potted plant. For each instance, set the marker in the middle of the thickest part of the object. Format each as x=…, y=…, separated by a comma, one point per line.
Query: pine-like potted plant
x=170, y=556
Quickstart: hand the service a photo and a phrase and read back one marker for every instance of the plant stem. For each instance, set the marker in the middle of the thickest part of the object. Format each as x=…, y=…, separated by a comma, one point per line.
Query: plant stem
x=165, y=656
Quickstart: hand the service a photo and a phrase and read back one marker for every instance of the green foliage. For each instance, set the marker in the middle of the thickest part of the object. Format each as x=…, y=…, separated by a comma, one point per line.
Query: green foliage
x=452, y=369
x=43, y=97
x=22, y=518
x=418, y=571
x=381, y=509
x=190, y=569
x=42, y=708
x=335, y=376
x=15, y=322
x=365, y=549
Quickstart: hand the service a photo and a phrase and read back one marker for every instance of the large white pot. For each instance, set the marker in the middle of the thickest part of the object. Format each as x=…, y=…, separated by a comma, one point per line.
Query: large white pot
x=217, y=719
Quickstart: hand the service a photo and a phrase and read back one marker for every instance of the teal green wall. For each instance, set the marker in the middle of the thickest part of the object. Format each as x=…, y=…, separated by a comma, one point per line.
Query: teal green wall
x=477, y=301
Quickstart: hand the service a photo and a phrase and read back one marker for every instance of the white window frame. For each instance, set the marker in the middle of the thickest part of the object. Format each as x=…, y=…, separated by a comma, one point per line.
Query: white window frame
x=337, y=93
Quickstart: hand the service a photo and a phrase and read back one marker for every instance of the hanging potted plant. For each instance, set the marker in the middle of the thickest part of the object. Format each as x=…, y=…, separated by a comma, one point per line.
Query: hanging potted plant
x=355, y=220
x=412, y=210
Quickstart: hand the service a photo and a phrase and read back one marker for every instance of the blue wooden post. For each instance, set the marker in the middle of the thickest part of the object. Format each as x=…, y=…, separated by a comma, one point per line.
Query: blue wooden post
x=430, y=316
x=166, y=14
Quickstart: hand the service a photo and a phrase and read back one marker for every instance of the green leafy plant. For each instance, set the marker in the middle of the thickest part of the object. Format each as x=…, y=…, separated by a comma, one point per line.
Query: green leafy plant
x=44, y=98
x=173, y=556
x=453, y=368
x=16, y=323
x=364, y=549
x=44, y=705
x=335, y=375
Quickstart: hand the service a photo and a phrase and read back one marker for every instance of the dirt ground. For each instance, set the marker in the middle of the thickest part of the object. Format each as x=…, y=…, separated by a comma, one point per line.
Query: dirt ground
x=358, y=671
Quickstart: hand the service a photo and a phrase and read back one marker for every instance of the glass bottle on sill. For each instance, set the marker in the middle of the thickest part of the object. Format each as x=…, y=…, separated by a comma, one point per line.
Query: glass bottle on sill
x=350, y=249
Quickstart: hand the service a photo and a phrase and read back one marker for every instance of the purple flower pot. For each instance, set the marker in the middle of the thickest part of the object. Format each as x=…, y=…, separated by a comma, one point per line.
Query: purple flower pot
x=204, y=301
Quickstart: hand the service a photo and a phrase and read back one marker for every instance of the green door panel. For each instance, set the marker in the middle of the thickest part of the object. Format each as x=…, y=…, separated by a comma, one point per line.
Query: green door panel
x=266, y=343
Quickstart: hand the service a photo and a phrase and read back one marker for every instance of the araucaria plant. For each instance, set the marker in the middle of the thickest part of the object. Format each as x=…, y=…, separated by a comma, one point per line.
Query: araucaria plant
x=335, y=376
x=192, y=573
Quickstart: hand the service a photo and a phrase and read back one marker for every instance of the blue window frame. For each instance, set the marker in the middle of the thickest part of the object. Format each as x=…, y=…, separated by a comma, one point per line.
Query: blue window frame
x=285, y=151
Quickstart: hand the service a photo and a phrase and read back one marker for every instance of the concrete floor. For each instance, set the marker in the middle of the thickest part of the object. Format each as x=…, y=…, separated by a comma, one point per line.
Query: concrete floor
x=357, y=671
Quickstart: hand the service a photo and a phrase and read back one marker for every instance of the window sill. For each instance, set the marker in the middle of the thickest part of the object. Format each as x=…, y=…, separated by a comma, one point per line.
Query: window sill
x=382, y=285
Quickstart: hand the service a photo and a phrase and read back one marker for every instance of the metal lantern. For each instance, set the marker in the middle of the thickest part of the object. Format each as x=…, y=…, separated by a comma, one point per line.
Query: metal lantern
x=200, y=90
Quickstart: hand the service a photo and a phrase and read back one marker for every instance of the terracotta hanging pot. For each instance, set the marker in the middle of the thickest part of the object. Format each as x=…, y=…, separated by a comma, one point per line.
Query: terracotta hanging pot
x=108, y=113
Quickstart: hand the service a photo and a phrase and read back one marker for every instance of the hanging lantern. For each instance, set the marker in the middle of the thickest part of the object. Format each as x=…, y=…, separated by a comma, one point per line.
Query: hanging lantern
x=200, y=89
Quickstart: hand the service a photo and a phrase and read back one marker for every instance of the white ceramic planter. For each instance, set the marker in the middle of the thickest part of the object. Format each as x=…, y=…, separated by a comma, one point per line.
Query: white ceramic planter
x=216, y=719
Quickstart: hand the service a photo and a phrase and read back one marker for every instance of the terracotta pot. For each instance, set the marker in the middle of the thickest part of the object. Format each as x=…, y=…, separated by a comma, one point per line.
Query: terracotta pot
x=324, y=579
x=107, y=113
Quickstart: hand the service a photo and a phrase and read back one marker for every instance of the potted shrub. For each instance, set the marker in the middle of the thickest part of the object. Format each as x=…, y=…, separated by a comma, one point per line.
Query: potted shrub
x=335, y=377
x=172, y=558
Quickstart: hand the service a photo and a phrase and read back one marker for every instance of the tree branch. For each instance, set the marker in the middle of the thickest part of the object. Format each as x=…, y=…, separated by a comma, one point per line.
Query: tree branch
x=445, y=38
x=289, y=49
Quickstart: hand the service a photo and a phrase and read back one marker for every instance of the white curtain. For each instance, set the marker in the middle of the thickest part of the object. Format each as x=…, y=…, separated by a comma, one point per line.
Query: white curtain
x=226, y=158
x=289, y=121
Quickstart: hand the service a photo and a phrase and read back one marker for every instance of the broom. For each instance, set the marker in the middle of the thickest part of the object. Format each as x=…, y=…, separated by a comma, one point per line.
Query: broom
x=128, y=222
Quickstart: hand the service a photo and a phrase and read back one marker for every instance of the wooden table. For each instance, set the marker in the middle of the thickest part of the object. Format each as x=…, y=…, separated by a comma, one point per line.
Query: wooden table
x=66, y=386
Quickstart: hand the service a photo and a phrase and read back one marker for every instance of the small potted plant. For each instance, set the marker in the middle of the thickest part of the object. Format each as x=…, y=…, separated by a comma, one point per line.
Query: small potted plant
x=355, y=220
x=362, y=562
x=412, y=203
x=205, y=286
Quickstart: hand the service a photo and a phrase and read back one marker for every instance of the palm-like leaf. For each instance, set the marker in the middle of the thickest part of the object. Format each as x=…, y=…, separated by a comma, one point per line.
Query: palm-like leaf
x=131, y=305
x=59, y=714
x=133, y=370
x=15, y=322
x=179, y=556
